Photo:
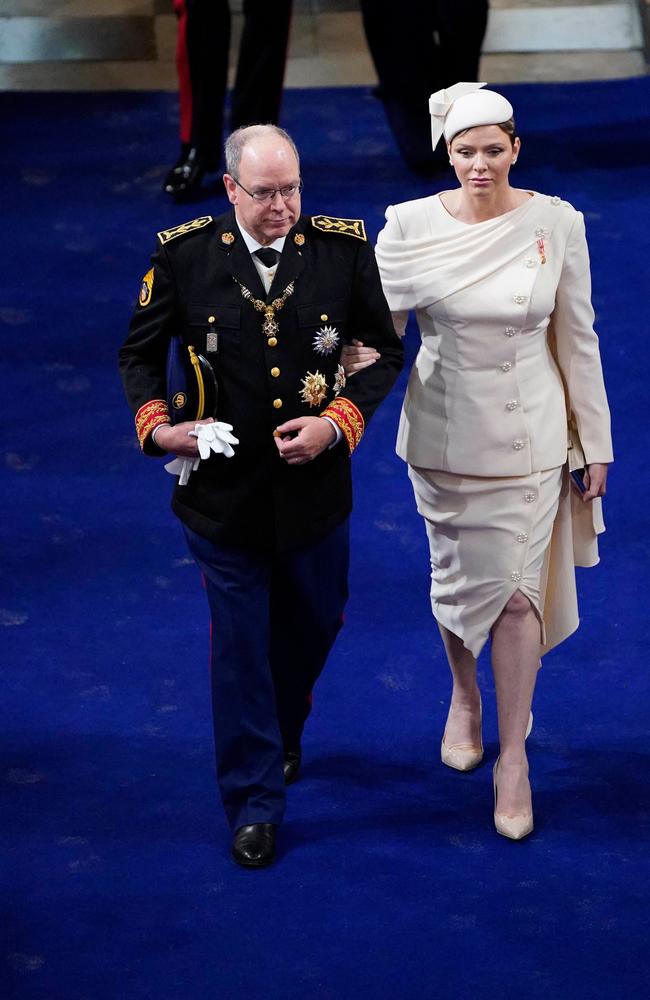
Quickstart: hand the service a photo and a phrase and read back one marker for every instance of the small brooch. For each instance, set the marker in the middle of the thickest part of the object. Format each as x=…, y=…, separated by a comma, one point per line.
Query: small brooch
x=339, y=380
x=227, y=238
x=541, y=251
x=299, y=240
x=326, y=340
x=314, y=388
x=541, y=233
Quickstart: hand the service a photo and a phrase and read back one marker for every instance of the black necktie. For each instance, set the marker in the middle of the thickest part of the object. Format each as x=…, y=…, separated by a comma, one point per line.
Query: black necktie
x=268, y=256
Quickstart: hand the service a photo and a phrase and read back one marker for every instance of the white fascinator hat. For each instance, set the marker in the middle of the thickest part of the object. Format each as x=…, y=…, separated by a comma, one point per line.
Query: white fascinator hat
x=465, y=105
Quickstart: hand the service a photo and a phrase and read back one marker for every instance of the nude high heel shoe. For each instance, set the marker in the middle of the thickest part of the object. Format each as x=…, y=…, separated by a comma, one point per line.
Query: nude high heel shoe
x=513, y=827
x=462, y=756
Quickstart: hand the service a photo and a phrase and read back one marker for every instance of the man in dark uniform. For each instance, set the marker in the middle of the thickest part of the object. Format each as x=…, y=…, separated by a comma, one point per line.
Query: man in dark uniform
x=202, y=49
x=419, y=48
x=268, y=526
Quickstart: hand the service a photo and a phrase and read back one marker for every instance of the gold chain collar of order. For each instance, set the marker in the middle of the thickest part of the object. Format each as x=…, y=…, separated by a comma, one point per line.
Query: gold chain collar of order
x=270, y=325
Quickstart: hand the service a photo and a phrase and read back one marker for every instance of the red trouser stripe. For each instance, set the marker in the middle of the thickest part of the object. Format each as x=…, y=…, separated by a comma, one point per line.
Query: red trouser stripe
x=183, y=71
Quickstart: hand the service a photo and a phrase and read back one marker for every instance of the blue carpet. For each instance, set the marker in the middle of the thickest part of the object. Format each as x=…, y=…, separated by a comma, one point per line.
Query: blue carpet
x=391, y=882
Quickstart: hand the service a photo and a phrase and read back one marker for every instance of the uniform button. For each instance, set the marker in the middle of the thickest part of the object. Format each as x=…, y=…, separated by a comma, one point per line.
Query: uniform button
x=530, y=496
x=506, y=366
x=275, y=372
x=272, y=341
x=512, y=404
x=522, y=536
x=324, y=317
x=510, y=331
x=518, y=444
x=516, y=576
x=212, y=319
x=277, y=403
x=519, y=299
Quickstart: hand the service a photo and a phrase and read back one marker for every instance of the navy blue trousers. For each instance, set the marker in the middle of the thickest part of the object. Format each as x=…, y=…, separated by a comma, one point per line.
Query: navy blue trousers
x=274, y=620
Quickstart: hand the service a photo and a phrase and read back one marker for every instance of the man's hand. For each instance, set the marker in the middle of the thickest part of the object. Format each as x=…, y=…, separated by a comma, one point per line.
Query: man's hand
x=177, y=440
x=596, y=481
x=355, y=356
x=303, y=439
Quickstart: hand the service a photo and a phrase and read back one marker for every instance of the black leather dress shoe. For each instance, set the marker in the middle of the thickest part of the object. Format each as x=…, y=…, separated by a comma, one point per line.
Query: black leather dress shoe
x=186, y=175
x=254, y=846
x=292, y=760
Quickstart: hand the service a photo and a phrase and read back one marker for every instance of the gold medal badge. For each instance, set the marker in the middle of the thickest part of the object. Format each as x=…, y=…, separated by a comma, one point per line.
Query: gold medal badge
x=314, y=388
x=146, y=288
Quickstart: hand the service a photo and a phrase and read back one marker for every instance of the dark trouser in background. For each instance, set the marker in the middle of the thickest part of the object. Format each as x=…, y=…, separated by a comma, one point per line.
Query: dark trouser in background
x=274, y=621
x=412, y=64
x=202, y=62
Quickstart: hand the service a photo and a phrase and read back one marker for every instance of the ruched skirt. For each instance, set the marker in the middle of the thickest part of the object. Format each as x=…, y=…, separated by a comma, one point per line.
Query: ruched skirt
x=489, y=538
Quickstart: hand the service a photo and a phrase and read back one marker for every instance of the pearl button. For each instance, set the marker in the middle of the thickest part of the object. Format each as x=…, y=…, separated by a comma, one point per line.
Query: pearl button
x=519, y=299
x=541, y=233
x=518, y=444
x=277, y=403
x=516, y=576
x=530, y=497
x=512, y=404
x=510, y=331
x=324, y=317
x=522, y=536
x=506, y=366
x=272, y=341
x=555, y=200
x=275, y=372
x=530, y=262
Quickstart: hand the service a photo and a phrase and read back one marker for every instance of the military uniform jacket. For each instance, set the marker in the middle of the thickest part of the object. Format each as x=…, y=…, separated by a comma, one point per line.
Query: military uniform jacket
x=203, y=283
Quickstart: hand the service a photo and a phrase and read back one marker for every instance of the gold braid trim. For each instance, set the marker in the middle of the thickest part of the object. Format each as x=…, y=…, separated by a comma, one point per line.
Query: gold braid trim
x=345, y=227
x=149, y=416
x=348, y=418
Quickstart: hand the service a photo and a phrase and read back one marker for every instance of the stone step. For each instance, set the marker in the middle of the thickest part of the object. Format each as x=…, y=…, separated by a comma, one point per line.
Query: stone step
x=125, y=44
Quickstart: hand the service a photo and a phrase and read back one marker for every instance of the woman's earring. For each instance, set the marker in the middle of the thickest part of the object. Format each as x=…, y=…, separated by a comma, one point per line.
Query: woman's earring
x=514, y=161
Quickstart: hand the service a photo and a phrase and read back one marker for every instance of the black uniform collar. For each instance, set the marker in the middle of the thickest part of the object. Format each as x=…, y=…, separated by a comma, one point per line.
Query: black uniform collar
x=240, y=264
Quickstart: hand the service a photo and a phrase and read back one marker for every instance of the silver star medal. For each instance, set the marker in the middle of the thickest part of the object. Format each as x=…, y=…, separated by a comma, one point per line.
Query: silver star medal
x=326, y=340
x=340, y=380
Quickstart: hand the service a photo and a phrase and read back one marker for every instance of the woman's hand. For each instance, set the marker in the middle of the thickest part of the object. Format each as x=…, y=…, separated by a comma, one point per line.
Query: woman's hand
x=595, y=481
x=355, y=356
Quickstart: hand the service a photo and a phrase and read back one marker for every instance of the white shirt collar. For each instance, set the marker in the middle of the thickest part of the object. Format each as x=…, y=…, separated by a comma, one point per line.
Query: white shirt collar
x=253, y=245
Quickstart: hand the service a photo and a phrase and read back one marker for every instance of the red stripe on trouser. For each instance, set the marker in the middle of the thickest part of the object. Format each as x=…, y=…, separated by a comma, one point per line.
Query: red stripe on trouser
x=183, y=71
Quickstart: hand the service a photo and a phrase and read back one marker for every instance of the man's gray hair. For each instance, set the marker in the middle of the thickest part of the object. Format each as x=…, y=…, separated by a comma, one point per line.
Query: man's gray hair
x=235, y=143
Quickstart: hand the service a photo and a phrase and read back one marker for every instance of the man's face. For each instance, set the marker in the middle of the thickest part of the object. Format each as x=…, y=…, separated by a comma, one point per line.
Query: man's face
x=266, y=164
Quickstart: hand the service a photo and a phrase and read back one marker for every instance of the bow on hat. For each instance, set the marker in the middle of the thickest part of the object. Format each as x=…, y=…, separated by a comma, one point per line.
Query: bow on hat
x=441, y=103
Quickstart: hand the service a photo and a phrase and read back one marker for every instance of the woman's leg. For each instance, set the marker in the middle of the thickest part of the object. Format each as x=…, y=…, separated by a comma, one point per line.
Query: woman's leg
x=515, y=661
x=464, y=720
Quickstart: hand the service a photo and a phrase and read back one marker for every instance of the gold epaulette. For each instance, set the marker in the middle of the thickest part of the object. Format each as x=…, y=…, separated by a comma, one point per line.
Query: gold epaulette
x=346, y=227
x=187, y=227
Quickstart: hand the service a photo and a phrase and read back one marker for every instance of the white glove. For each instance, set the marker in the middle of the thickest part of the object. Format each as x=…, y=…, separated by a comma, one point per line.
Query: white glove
x=215, y=437
x=183, y=468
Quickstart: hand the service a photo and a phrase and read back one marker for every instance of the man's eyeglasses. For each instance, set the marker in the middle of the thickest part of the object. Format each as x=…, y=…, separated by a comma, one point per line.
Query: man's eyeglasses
x=266, y=195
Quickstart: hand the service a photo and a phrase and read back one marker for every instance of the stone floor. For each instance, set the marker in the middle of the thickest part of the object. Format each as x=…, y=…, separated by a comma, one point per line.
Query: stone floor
x=129, y=44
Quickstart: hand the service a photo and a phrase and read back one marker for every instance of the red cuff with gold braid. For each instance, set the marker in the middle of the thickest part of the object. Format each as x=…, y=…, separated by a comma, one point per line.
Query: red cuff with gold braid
x=348, y=418
x=149, y=416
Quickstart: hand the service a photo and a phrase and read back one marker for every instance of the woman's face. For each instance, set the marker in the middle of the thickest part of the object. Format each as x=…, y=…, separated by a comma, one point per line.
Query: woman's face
x=482, y=158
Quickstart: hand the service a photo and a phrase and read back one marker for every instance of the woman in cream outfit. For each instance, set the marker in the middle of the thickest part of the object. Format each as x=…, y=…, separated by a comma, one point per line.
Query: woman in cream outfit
x=499, y=280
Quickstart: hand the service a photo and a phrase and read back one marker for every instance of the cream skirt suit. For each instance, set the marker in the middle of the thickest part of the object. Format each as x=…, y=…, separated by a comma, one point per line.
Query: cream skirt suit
x=508, y=346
